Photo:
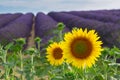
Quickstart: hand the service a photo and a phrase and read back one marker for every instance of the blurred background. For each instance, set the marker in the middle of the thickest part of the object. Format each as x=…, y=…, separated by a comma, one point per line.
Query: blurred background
x=24, y=6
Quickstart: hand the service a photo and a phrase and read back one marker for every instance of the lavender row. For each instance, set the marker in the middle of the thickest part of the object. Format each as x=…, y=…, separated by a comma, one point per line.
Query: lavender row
x=2, y=15
x=7, y=18
x=21, y=27
x=68, y=18
x=109, y=32
x=44, y=27
x=97, y=16
x=113, y=12
x=44, y=24
x=108, y=12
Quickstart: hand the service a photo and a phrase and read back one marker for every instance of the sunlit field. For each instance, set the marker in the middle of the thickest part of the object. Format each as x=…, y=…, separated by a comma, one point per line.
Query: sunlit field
x=74, y=45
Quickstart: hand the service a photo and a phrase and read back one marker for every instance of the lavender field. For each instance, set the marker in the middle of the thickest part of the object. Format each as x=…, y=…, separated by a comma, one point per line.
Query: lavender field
x=105, y=22
x=66, y=45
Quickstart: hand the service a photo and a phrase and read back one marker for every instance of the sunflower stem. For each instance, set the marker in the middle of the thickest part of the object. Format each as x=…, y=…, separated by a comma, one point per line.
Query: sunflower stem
x=61, y=27
x=6, y=67
x=76, y=72
x=60, y=35
x=84, y=73
x=80, y=72
x=38, y=41
x=63, y=68
x=32, y=68
x=39, y=48
x=21, y=64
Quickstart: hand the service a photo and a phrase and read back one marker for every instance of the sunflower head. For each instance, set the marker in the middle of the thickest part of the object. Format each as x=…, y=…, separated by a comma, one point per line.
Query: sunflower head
x=82, y=47
x=55, y=54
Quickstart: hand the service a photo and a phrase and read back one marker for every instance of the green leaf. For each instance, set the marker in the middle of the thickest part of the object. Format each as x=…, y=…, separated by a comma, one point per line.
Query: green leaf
x=69, y=76
x=114, y=51
x=31, y=51
x=99, y=77
x=114, y=64
x=105, y=51
x=8, y=46
x=58, y=78
x=117, y=76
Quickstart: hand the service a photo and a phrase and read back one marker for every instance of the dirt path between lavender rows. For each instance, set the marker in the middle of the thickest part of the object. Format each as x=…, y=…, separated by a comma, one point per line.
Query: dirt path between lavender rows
x=31, y=42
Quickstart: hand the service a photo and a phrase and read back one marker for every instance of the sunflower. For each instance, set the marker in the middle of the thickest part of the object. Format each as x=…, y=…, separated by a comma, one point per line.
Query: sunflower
x=55, y=54
x=82, y=48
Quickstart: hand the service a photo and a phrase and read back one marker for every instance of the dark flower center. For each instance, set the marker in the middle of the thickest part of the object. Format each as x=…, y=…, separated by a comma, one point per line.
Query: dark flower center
x=81, y=48
x=57, y=53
